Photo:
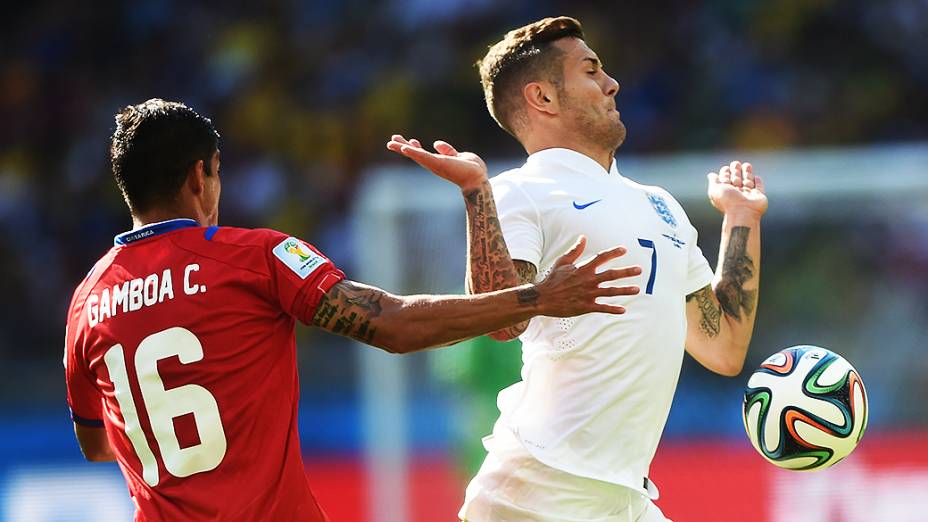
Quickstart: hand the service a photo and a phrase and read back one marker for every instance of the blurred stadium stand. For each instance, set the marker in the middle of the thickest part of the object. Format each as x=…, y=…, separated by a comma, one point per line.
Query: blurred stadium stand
x=306, y=93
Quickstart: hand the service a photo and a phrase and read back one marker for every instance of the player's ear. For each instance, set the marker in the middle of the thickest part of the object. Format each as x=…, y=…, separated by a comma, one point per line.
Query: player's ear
x=541, y=96
x=196, y=177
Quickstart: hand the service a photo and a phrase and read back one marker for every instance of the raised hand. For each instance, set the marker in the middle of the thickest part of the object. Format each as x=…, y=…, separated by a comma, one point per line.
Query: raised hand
x=571, y=289
x=735, y=188
x=464, y=169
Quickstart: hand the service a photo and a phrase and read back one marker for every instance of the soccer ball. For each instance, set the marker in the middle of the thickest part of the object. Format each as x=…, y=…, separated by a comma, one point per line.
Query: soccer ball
x=805, y=408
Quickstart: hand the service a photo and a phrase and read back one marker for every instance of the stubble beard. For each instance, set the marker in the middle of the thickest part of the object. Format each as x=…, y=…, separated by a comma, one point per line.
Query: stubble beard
x=604, y=131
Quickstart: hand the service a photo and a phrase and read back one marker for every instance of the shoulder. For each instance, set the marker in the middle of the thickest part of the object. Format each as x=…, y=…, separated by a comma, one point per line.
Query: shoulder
x=238, y=237
x=663, y=201
x=515, y=185
x=524, y=176
x=243, y=248
x=96, y=273
x=507, y=178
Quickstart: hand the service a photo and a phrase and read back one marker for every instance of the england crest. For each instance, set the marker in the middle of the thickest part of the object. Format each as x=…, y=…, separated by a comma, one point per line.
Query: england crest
x=660, y=206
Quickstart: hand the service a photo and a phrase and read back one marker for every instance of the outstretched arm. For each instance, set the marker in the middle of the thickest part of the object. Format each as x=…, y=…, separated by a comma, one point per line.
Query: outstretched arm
x=489, y=265
x=721, y=316
x=402, y=324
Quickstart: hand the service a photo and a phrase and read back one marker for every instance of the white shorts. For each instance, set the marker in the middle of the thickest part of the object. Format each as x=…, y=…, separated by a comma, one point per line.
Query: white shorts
x=512, y=486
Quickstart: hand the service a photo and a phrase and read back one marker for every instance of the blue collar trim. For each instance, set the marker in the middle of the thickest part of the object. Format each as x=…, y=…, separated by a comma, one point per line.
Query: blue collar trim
x=153, y=229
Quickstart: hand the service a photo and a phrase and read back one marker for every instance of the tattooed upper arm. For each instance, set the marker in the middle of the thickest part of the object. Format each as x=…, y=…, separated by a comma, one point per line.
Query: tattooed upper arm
x=525, y=271
x=349, y=309
x=710, y=314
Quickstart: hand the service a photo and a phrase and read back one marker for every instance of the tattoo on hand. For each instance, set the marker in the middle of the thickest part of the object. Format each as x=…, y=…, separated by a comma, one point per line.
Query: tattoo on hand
x=737, y=269
x=348, y=309
x=528, y=296
x=711, y=321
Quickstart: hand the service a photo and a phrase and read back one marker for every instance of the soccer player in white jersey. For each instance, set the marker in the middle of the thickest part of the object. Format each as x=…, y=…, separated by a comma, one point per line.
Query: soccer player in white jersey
x=575, y=438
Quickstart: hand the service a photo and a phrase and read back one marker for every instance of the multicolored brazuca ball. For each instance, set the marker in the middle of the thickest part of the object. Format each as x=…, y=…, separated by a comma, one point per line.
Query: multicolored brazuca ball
x=805, y=408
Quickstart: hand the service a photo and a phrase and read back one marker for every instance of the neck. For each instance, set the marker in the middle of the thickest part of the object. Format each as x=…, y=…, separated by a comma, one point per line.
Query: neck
x=157, y=215
x=597, y=154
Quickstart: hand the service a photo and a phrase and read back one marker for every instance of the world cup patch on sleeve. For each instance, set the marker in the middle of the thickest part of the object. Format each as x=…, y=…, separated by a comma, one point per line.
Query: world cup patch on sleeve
x=298, y=257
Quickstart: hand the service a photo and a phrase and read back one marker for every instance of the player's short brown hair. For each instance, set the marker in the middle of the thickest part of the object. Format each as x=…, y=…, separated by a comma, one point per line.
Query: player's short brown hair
x=524, y=55
x=154, y=145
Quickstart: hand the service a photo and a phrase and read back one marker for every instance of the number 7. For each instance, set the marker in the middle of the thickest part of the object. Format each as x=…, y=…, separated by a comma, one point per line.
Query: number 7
x=647, y=243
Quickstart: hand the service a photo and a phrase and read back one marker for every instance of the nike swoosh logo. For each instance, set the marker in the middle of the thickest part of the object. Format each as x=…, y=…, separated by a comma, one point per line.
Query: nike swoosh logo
x=581, y=207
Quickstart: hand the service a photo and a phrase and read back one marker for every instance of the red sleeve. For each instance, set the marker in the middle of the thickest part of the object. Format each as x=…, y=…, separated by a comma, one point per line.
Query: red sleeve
x=300, y=276
x=84, y=397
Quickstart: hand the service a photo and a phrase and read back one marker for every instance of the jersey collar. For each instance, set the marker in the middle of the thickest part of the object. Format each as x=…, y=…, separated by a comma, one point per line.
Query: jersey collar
x=571, y=159
x=153, y=229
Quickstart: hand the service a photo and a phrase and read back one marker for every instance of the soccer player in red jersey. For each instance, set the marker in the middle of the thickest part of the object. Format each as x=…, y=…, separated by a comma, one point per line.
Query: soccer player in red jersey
x=180, y=352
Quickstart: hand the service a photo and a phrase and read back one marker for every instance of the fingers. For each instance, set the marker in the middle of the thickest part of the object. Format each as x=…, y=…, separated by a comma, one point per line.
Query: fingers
x=443, y=147
x=397, y=141
x=610, y=291
x=413, y=150
x=573, y=253
x=736, y=174
x=725, y=175
x=748, y=171
x=618, y=273
x=421, y=156
x=759, y=184
x=606, y=255
x=609, y=309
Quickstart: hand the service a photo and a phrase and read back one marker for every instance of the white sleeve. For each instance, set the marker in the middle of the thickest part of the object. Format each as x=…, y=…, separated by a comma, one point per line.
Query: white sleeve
x=520, y=221
x=699, y=274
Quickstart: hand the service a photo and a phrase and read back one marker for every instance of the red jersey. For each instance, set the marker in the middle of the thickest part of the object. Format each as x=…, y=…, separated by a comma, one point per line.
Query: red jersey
x=180, y=343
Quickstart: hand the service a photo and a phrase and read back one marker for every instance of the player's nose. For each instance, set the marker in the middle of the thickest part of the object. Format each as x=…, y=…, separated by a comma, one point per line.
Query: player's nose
x=612, y=87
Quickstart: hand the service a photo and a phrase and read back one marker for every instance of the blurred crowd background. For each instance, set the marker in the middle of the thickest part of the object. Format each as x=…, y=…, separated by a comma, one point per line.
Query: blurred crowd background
x=306, y=93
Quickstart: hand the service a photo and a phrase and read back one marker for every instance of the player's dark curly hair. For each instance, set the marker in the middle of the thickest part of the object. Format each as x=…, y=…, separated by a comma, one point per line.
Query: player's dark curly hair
x=154, y=145
x=524, y=55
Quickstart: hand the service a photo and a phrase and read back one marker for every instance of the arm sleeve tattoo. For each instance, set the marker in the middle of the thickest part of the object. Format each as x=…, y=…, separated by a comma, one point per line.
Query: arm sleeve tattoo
x=348, y=309
x=489, y=267
x=711, y=321
x=738, y=268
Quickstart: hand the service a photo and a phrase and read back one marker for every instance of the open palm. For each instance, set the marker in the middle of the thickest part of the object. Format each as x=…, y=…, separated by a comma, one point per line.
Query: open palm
x=736, y=187
x=464, y=169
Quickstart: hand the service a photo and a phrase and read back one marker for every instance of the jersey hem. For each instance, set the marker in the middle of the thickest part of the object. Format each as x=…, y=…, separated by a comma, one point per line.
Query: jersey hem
x=628, y=480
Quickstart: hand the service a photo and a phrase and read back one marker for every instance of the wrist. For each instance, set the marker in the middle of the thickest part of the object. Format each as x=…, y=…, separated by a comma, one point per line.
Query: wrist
x=531, y=295
x=470, y=187
x=743, y=215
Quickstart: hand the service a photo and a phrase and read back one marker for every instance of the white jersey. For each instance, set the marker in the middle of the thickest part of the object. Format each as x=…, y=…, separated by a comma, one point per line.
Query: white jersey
x=596, y=389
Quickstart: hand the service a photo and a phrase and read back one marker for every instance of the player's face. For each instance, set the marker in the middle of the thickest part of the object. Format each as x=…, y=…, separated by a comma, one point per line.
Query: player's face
x=587, y=99
x=212, y=191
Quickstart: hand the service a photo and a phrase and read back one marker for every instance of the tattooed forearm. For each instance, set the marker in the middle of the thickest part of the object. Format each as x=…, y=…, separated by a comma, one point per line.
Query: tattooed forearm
x=489, y=266
x=711, y=315
x=737, y=269
x=348, y=309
